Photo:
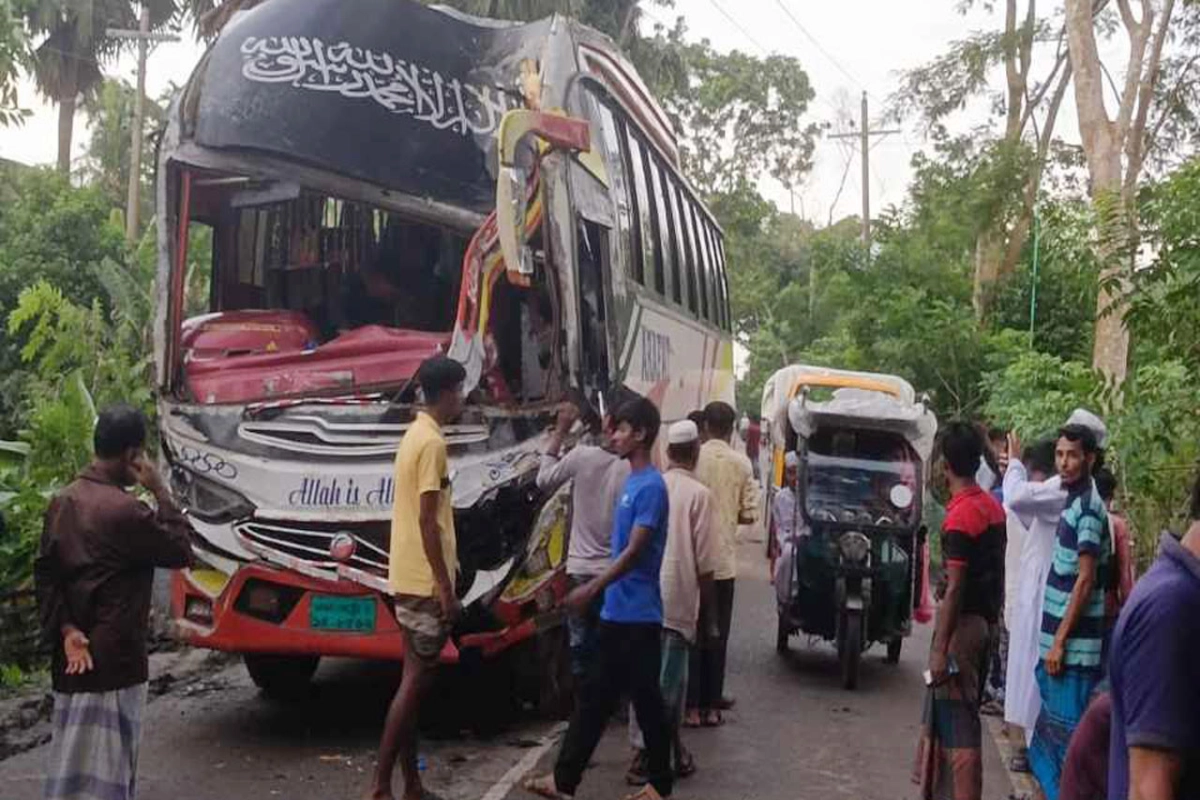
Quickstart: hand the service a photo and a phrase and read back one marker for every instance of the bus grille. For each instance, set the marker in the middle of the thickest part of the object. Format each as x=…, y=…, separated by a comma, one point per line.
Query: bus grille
x=309, y=542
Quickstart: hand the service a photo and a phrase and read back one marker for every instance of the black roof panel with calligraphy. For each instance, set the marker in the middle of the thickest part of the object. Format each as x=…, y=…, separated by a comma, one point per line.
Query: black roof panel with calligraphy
x=387, y=91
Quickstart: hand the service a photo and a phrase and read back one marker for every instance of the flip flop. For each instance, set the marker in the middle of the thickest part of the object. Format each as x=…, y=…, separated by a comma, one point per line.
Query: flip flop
x=544, y=786
x=714, y=719
x=693, y=720
x=647, y=792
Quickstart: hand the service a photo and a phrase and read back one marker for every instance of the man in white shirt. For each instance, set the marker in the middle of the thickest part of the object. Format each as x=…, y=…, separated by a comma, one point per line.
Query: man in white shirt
x=785, y=522
x=686, y=581
x=598, y=476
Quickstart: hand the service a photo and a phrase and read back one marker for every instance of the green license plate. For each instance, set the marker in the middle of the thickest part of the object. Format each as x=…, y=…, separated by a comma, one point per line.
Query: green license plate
x=332, y=613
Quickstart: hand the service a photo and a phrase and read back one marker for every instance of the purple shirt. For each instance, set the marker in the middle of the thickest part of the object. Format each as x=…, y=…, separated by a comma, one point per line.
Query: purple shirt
x=1155, y=670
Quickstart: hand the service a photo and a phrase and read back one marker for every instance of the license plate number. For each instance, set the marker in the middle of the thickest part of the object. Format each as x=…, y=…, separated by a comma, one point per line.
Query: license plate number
x=331, y=613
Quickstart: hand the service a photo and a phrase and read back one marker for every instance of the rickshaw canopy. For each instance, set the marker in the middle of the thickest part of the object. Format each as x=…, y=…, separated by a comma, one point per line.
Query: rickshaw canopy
x=860, y=399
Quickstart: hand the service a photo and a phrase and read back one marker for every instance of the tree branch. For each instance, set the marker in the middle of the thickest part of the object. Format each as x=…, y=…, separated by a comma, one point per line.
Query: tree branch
x=1032, y=103
x=1135, y=144
x=1131, y=24
x=1151, y=140
x=1139, y=37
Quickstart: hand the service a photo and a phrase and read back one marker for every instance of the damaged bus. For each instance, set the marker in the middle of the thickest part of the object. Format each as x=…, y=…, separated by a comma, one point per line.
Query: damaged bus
x=344, y=195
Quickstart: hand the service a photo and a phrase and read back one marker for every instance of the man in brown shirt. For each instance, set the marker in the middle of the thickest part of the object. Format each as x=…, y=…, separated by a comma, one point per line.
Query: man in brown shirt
x=94, y=574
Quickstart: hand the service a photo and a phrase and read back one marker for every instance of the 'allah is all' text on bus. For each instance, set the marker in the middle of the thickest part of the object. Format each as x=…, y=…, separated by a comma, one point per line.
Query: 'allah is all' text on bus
x=344, y=195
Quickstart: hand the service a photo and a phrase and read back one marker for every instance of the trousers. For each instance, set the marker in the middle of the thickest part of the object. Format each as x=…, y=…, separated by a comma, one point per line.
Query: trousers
x=627, y=662
x=706, y=685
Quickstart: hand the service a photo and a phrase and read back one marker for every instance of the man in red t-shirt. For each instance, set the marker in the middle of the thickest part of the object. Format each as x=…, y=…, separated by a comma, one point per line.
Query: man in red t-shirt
x=950, y=755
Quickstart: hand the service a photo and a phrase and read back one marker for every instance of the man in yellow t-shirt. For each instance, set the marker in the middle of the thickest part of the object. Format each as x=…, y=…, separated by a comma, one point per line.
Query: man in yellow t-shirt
x=421, y=567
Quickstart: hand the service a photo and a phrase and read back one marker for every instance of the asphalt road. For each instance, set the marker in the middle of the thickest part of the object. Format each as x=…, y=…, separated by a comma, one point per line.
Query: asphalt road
x=794, y=733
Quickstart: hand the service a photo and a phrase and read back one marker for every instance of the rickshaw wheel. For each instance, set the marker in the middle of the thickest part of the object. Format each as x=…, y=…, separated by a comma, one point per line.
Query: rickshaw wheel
x=781, y=637
x=850, y=649
x=893, y=651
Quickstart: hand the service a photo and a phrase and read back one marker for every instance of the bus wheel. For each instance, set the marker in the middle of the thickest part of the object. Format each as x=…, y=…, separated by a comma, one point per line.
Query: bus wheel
x=281, y=677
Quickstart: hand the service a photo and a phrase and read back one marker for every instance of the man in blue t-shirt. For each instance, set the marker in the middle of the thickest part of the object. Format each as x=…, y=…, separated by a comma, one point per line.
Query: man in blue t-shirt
x=1154, y=667
x=628, y=645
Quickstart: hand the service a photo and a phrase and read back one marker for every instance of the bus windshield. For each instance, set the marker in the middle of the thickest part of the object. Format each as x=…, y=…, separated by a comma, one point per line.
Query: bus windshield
x=293, y=292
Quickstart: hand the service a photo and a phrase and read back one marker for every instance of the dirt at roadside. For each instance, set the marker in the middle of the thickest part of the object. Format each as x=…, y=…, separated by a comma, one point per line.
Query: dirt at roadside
x=25, y=716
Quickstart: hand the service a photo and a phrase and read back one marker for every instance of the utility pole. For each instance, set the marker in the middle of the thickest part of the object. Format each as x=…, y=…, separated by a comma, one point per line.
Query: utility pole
x=143, y=37
x=864, y=135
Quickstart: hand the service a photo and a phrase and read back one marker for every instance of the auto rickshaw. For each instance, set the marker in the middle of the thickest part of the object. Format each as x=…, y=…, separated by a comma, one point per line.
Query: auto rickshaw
x=848, y=559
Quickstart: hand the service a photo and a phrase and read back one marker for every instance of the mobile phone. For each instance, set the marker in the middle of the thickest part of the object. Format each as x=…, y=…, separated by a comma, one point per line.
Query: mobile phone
x=951, y=671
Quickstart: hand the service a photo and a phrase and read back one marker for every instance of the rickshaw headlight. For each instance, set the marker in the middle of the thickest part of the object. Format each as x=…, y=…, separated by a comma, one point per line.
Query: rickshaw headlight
x=855, y=547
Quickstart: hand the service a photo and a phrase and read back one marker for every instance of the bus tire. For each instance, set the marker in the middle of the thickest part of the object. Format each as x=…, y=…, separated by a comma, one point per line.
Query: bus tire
x=781, y=637
x=281, y=677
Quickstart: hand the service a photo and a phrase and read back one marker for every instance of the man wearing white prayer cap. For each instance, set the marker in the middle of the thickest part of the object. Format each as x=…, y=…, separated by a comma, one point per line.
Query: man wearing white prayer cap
x=686, y=581
x=1085, y=418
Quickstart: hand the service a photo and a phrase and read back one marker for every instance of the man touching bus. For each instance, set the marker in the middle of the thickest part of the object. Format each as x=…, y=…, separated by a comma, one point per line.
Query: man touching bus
x=421, y=568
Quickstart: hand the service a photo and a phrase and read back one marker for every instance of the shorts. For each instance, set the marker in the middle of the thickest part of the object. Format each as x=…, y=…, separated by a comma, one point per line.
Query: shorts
x=425, y=628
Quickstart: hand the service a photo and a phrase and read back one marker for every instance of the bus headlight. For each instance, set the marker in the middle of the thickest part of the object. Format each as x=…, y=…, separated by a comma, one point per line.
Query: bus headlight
x=207, y=499
x=855, y=547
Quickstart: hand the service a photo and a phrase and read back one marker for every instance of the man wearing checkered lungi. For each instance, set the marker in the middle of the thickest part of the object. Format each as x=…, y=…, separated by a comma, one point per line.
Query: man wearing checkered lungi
x=94, y=573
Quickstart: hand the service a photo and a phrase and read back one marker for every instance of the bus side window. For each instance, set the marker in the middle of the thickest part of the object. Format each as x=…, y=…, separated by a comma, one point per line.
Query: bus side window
x=666, y=259
x=683, y=249
x=593, y=320
x=714, y=293
x=728, y=316
x=697, y=233
x=610, y=139
x=647, y=177
x=635, y=161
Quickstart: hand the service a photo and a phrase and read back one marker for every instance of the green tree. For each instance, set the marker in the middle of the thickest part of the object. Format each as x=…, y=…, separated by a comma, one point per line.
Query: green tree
x=72, y=46
x=110, y=112
x=49, y=231
x=14, y=59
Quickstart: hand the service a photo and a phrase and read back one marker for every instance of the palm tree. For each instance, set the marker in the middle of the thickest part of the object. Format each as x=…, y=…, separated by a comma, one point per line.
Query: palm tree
x=73, y=48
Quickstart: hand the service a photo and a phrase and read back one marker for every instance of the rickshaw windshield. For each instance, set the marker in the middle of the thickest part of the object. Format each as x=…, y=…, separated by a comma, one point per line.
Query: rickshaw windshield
x=861, y=477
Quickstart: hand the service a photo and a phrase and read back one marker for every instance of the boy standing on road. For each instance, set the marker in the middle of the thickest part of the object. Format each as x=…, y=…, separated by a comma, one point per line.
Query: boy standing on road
x=729, y=476
x=1073, y=608
x=94, y=572
x=687, y=586
x=422, y=567
x=950, y=754
x=629, y=643
x=598, y=476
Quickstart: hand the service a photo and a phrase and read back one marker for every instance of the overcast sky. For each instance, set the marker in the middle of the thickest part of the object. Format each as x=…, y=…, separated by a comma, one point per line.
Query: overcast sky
x=846, y=47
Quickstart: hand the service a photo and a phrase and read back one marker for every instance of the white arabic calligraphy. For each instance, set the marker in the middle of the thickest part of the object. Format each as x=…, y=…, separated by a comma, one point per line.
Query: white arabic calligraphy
x=400, y=86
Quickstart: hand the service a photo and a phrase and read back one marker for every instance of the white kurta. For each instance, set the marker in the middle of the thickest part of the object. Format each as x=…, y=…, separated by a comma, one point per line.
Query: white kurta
x=1037, y=506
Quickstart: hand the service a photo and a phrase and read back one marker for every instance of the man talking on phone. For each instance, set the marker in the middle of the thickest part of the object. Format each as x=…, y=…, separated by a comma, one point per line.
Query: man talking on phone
x=94, y=572
x=950, y=755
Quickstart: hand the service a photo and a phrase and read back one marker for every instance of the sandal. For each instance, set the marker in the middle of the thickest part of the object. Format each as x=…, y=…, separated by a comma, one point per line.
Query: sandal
x=647, y=792
x=692, y=719
x=544, y=786
x=713, y=719
x=685, y=765
x=637, y=775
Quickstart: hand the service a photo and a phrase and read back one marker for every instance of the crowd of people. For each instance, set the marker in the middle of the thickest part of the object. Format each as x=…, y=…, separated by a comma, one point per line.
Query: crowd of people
x=1097, y=679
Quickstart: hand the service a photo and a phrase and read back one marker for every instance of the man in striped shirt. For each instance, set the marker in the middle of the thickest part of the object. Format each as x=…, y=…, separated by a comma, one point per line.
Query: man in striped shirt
x=1073, y=609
